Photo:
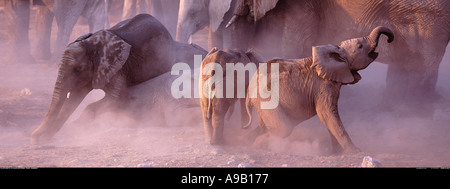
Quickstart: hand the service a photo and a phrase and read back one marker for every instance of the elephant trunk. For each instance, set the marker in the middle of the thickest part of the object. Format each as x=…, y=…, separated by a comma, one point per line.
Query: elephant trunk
x=182, y=33
x=59, y=97
x=374, y=36
x=62, y=106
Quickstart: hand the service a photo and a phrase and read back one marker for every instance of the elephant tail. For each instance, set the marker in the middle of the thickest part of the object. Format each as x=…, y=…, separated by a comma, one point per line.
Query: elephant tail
x=249, y=112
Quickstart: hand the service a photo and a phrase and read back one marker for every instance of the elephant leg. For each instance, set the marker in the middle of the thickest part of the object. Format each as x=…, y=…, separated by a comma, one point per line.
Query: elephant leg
x=66, y=15
x=44, y=20
x=250, y=137
x=411, y=92
x=241, y=31
x=207, y=125
x=273, y=122
x=91, y=111
x=219, y=110
x=17, y=15
x=327, y=111
x=244, y=115
x=96, y=13
x=215, y=39
x=335, y=147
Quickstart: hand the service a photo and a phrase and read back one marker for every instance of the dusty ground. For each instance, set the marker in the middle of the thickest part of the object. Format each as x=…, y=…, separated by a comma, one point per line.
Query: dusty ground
x=25, y=94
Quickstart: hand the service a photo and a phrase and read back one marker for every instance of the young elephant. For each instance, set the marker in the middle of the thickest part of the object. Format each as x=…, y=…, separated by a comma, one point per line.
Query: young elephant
x=214, y=102
x=130, y=53
x=311, y=86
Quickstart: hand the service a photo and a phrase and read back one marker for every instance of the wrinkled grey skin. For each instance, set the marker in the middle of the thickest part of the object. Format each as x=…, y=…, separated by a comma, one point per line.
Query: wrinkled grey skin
x=311, y=86
x=194, y=15
x=166, y=11
x=288, y=28
x=129, y=53
x=213, y=108
x=66, y=13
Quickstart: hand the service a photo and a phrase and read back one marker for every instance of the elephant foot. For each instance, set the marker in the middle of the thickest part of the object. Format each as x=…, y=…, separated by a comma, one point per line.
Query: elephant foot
x=37, y=140
x=351, y=150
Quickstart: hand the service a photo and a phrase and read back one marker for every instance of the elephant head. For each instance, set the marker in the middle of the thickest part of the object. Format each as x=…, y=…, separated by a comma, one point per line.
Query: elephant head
x=196, y=14
x=192, y=16
x=90, y=62
x=341, y=63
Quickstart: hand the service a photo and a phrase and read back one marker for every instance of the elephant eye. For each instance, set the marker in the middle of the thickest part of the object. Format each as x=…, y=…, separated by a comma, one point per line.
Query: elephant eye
x=359, y=45
x=77, y=70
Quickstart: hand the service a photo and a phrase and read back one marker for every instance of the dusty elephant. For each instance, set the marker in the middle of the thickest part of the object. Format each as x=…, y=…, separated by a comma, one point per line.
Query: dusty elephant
x=194, y=15
x=153, y=103
x=66, y=14
x=17, y=13
x=214, y=105
x=311, y=86
x=129, y=53
x=413, y=59
x=166, y=11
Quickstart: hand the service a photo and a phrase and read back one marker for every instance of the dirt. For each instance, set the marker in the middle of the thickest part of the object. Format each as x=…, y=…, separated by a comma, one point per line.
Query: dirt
x=115, y=141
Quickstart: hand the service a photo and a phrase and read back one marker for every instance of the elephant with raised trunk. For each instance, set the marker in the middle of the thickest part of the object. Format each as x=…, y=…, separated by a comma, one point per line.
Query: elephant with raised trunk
x=214, y=108
x=288, y=28
x=129, y=53
x=311, y=86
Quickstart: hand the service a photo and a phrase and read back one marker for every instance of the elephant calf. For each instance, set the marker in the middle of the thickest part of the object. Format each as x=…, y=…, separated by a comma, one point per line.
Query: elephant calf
x=215, y=106
x=131, y=52
x=311, y=86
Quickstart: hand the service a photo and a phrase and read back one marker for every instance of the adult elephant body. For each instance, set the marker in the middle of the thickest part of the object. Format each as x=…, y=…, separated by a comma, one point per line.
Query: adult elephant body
x=66, y=14
x=289, y=28
x=194, y=15
x=129, y=53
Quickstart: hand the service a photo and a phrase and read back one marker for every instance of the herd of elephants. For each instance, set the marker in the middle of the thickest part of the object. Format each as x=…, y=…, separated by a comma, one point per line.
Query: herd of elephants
x=319, y=46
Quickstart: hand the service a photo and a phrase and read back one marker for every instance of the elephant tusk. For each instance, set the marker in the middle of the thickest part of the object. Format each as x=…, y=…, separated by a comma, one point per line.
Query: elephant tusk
x=233, y=19
x=68, y=95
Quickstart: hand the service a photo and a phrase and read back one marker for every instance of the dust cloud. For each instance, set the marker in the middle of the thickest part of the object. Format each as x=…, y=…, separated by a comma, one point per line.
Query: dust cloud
x=163, y=132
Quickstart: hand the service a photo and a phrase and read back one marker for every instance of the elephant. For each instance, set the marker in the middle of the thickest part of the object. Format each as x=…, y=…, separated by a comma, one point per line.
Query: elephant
x=129, y=53
x=17, y=13
x=290, y=27
x=311, y=86
x=152, y=102
x=213, y=107
x=194, y=15
x=166, y=11
x=66, y=14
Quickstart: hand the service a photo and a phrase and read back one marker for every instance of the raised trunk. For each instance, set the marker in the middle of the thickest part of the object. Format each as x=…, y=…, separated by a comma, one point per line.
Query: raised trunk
x=374, y=36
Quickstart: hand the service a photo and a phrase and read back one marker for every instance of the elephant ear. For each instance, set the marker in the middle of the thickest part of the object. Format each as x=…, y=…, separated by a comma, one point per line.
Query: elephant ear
x=113, y=53
x=217, y=10
x=330, y=63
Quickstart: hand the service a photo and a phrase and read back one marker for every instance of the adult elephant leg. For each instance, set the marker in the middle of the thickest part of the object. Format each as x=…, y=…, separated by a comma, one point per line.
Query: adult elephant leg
x=96, y=13
x=44, y=20
x=411, y=88
x=66, y=14
x=215, y=39
x=17, y=14
x=241, y=33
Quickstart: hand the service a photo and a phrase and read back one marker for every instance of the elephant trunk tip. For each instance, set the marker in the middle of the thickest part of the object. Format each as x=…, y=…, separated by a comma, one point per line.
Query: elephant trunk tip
x=375, y=34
